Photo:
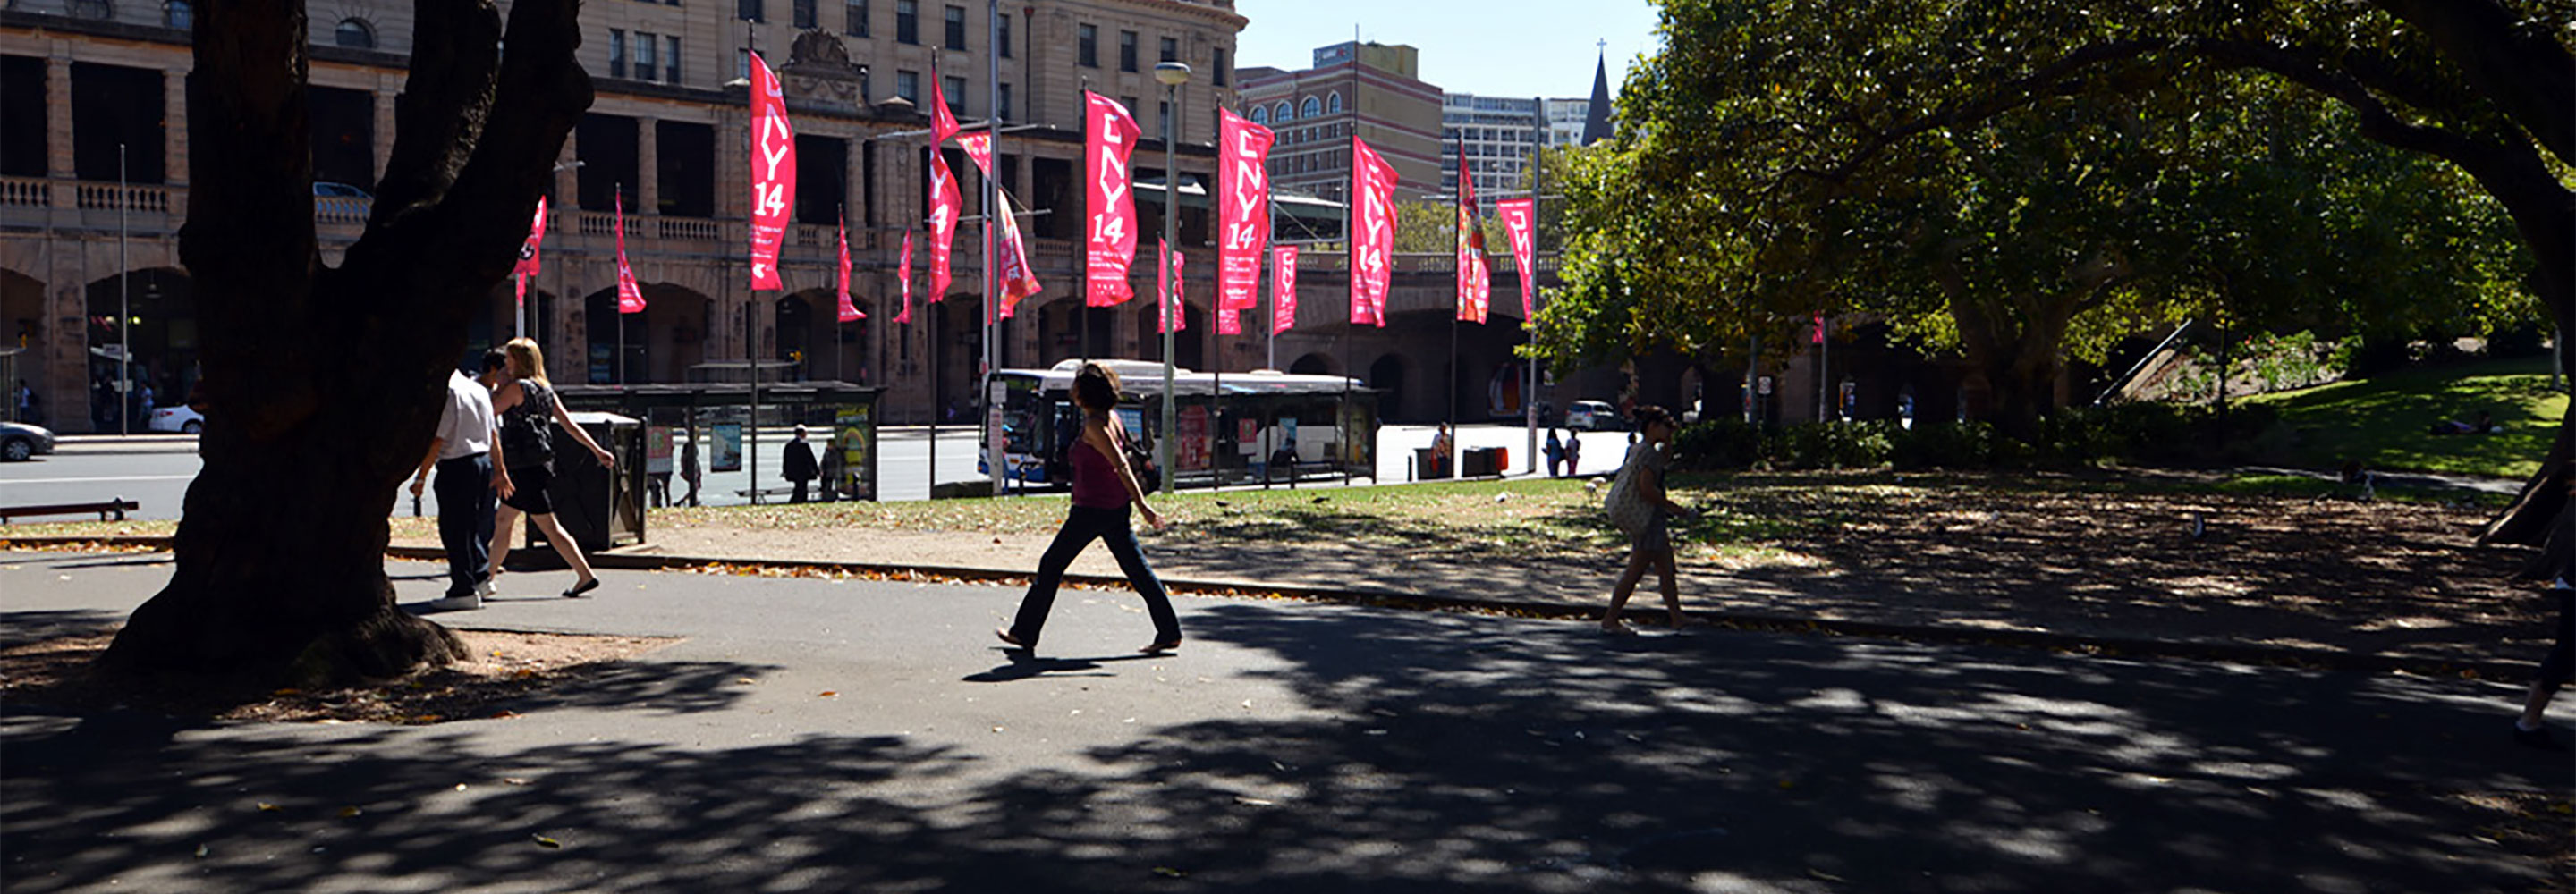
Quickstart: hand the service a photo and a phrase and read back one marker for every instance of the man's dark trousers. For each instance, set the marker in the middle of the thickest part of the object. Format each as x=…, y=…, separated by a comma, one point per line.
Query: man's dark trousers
x=464, y=489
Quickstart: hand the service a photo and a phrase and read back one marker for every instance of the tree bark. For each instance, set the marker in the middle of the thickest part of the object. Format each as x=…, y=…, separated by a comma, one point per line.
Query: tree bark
x=325, y=383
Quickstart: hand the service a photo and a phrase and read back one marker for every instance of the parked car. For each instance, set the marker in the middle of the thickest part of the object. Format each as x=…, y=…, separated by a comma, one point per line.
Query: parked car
x=1591, y=415
x=19, y=441
x=182, y=419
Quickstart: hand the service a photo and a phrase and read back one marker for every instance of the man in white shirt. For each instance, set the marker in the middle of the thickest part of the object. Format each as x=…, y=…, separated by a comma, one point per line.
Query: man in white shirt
x=465, y=452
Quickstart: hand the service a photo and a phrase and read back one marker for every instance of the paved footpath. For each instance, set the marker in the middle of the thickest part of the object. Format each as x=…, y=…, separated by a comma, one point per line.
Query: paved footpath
x=1291, y=746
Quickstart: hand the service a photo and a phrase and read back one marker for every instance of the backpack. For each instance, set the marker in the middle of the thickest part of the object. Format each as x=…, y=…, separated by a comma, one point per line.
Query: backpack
x=1628, y=509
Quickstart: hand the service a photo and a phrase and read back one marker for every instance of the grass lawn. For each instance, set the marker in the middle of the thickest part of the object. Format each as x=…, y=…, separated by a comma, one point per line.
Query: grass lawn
x=2383, y=421
x=1743, y=516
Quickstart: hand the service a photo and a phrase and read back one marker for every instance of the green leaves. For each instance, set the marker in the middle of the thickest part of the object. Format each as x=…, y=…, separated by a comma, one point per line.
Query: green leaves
x=2040, y=176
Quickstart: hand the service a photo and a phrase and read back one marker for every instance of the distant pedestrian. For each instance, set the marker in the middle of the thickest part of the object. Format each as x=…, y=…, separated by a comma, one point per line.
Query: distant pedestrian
x=527, y=406
x=461, y=451
x=1444, y=444
x=800, y=466
x=1555, y=453
x=23, y=399
x=689, y=469
x=1104, y=486
x=1639, y=505
x=143, y=401
x=2556, y=563
x=1573, y=454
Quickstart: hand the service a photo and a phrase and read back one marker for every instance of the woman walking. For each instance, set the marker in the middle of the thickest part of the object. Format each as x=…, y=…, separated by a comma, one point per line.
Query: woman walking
x=1640, y=487
x=526, y=404
x=1103, y=489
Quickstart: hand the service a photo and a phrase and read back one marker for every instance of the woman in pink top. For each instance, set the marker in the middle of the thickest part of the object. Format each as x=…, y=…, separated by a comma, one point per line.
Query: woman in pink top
x=1103, y=488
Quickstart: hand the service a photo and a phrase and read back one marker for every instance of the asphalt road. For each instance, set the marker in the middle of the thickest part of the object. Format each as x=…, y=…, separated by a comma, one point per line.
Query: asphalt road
x=157, y=477
x=818, y=736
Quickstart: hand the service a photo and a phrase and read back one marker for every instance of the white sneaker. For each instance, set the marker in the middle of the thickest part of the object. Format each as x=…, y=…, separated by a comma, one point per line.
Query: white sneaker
x=484, y=588
x=465, y=603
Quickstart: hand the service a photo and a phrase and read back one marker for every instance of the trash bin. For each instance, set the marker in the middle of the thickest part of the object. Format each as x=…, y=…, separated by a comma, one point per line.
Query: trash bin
x=1425, y=467
x=1481, y=462
x=598, y=508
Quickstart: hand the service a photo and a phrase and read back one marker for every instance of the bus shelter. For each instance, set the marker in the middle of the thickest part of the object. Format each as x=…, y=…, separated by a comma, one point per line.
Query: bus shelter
x=722, y=427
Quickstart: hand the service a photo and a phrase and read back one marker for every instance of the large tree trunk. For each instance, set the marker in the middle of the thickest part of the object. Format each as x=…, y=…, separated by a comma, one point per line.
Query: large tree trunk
x=325, y=383
x=2013, y=350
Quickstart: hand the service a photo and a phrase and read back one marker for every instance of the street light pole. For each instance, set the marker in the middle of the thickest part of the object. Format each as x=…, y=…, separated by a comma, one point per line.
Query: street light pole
x=124, y=312
x=1172, y=75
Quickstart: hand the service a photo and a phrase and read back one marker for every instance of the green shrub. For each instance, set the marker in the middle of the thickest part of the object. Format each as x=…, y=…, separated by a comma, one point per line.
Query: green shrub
x=2139, y=433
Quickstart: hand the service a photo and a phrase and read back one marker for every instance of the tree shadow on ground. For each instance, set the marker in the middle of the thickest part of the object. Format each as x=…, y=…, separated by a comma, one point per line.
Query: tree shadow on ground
x=1966, y=552
x=1429, y=753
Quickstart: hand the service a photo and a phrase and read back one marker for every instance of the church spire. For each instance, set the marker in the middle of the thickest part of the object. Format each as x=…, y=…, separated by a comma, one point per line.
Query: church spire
x=1596, y=120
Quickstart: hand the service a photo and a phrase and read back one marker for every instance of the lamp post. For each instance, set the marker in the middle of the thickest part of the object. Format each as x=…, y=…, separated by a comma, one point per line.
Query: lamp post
x=124, y=309
x=1172, y=75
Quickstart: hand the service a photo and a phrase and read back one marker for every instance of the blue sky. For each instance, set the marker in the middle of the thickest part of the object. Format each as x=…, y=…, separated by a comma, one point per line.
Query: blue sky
x=1496, y=47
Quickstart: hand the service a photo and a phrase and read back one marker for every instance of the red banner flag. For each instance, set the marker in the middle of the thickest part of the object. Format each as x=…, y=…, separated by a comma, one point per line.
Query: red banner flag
x=630, y=297
x=1283, y=288
x=849, y=312
x=1475, y=286
x=527, y=266
x=773, y=174
x=1019, y=280
x=1520, y=219
x=903, y=272
x=1243, y=209
x=1109, y=228
x=944, y=208
x=943, y=123
x=979, y=147
x=1372, y=233
x=1173, y=317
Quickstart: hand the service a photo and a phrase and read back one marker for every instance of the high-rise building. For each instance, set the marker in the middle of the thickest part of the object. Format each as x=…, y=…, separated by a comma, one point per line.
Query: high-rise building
x=1565, y=119
x=1370, y=89
x=1497, y=135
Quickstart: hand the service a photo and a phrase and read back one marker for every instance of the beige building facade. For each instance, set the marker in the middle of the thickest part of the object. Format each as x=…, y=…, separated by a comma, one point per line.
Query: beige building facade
x=89, y=268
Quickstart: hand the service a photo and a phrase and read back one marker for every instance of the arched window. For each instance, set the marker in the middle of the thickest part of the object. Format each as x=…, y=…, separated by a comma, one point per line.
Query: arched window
x=1280, y=112
x=354, y=34
x=1260, y=115
x=1334, y=104
x=1310, y=108
x=177, y=14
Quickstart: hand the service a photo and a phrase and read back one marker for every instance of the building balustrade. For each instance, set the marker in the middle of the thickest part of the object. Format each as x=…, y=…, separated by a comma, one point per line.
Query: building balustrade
x=26, y=192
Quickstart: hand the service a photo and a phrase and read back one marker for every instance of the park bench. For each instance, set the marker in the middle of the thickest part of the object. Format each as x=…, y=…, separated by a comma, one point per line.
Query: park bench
x=105, y=508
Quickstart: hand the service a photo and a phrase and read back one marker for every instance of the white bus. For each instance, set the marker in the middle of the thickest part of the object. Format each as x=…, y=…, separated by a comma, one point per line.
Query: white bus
x=1263, y=425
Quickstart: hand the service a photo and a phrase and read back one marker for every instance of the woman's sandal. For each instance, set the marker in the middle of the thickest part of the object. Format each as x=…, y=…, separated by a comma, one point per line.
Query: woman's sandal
x=581, y=588
x=1160, y=646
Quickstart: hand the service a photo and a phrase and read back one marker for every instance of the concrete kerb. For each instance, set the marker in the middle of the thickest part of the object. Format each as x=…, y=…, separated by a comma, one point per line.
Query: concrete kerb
x=2126, y=647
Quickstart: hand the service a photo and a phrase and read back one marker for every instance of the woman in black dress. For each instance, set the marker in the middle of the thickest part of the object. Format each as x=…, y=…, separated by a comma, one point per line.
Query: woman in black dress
x=528, y=411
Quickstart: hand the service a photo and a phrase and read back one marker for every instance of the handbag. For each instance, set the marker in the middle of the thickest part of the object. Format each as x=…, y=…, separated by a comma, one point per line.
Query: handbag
x=1628, y=509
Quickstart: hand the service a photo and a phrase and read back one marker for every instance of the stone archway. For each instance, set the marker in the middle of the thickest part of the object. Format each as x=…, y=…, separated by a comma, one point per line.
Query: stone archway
x=1388, y=374
x=22, y=325
x=675, y=326
x=618, y=352
x=1312, y=364
x=1189, y=346
x=811, y=334
x=155, y=312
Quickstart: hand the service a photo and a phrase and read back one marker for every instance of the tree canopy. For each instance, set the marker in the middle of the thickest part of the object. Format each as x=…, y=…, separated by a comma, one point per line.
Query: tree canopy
x=2016, y=179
